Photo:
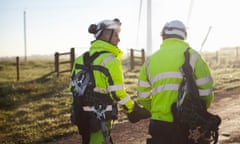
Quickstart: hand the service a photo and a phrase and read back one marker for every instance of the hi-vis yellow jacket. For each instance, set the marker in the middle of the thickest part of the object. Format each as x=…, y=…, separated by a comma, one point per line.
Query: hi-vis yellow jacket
x=160, y=77
x=111, y=61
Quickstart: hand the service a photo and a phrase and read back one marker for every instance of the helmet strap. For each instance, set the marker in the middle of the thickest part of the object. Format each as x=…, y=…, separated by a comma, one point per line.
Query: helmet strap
x=110, y=37
x=99, y=35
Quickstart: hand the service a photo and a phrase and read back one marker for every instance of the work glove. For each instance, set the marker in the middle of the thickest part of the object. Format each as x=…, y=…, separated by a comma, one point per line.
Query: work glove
x=138, y=113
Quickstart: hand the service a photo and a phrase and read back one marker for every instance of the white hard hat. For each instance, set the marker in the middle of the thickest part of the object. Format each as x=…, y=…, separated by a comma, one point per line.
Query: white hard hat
x=103, y=25
x=176, y=28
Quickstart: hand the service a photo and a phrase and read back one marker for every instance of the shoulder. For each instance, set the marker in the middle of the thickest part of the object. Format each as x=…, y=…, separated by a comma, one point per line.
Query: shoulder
x=79, y=59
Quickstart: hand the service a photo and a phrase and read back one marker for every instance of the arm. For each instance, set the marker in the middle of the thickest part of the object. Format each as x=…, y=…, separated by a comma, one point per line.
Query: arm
x=134, y=111
x=204, y=81
x=144, y=89
x=115, y=69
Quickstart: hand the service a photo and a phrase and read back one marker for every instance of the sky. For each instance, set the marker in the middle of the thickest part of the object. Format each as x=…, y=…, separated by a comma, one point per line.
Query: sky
x=58, y=25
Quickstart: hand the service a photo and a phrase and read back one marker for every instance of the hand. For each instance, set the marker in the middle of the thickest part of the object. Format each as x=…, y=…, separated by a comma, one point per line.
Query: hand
x=138, y=113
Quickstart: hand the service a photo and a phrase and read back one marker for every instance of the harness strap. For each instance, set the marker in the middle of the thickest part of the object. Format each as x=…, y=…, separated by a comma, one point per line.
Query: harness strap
x=189, y=86
x=100, y=112
x=98, y=68
x=92, y=108
x=107, y=138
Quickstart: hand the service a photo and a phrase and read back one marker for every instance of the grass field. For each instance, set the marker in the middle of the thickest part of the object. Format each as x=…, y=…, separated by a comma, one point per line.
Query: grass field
x=36, y=108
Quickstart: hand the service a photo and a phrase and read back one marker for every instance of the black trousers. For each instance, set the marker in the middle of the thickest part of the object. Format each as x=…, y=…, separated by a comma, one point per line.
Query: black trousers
x=86, y=137
x=165, y=133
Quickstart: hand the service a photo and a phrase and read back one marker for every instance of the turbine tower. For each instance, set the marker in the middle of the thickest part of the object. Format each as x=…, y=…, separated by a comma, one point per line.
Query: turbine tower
x=25, y=36
x=149, y=27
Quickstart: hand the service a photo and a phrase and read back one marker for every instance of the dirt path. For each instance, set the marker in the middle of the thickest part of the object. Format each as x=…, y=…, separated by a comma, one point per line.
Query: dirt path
x=226, y=105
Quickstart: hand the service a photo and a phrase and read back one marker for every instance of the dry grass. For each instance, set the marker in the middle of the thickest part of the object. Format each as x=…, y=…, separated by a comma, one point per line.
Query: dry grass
x=36, y=108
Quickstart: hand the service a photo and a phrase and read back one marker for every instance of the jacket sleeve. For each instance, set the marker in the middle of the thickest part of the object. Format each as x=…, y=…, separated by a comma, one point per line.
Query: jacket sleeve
x=115, y=69
x=144, y=89
x=77, y=61
x=204, y=81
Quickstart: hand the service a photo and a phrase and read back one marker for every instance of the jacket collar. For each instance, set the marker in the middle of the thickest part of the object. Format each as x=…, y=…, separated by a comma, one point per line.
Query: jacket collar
x=99, y=45
x=170, y=41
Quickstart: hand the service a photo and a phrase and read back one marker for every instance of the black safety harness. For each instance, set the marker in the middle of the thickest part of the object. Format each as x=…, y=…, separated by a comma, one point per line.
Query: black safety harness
x=190, y=112
x=94, y=109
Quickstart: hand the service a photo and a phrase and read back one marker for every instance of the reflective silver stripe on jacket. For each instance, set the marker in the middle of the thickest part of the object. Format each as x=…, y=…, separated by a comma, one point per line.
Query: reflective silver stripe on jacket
x=111, y=88
x=202, y=92
x=193, y=60
x=165, y=87
x=166, y=75
x=107, y=59
x=173, y=87
x=144, y=94
x=201, y=81
x=124, y=100
x=100, y=90
x=161, y=76
x=147, y=70
x=143, y=83
x=204, y=80
x=205, y=92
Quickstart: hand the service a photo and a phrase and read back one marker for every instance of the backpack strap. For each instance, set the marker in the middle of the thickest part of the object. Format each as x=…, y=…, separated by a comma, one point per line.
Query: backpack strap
x=110, y=81
x=87, y=59
x=193, y=111
x=189, y=79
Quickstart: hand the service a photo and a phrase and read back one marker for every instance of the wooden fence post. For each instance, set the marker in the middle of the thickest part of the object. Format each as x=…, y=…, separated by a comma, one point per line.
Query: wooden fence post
x=143, y=56
x=57, y=63
x=18, y=72
x=72, y=57
x=131, y=58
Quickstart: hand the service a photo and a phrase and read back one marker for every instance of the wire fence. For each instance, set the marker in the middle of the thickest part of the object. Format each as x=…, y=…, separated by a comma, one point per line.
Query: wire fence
x=228, y=57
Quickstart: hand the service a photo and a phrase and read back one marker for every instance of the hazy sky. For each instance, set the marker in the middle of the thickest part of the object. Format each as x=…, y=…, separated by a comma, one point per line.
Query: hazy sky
x=58, y=25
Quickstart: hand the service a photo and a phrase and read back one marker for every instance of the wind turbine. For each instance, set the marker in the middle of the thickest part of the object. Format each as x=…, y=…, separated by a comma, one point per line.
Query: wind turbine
x=25, y=35
x=205, y=39
x=188, y=19
x=148, y=26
